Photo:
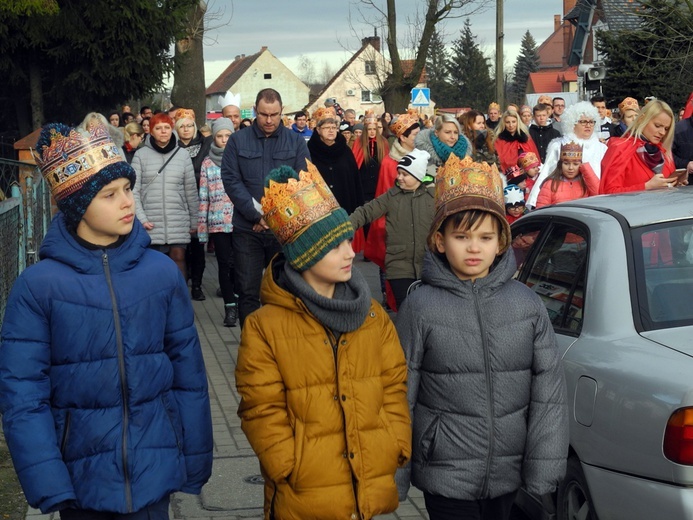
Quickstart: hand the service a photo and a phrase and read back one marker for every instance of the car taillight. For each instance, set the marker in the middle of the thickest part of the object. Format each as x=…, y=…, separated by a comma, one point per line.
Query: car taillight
x=678, y=437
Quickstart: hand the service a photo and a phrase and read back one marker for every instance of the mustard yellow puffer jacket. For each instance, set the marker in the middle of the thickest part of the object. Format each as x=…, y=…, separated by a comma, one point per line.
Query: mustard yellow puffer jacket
x=329, y=429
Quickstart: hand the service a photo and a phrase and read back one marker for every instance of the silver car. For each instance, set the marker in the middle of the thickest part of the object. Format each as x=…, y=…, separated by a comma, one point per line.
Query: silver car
x=616, y=275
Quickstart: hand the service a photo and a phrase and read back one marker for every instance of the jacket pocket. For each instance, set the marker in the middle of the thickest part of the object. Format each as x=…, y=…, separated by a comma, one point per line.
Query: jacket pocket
x=66, y=433
x=299, y=443
x=171, y=414
x=429, y=439
x=284, y=156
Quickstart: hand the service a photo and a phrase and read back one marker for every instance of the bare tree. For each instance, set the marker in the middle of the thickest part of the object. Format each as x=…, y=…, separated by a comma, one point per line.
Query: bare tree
x=398, y=82
x=306, y=68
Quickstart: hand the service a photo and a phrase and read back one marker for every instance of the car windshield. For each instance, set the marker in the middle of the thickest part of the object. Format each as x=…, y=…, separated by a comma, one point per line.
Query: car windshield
x=663, y=255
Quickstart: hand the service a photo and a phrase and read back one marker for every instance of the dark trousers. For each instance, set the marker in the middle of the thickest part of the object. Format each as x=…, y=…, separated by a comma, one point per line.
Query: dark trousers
x=223, y=250
x=399, y=289
x=195, y=258
x=442, y=508
x=158, y=511
x=252, y=252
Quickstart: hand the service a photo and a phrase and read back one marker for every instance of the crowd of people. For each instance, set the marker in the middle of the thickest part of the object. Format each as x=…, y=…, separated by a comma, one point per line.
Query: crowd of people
x=103, y=388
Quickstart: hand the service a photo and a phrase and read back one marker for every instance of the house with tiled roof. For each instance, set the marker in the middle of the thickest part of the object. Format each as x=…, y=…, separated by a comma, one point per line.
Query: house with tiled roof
x=356, y=84
x=247, y=75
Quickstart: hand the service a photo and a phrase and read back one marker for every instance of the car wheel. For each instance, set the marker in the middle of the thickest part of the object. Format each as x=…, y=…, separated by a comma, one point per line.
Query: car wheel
x=574, y=501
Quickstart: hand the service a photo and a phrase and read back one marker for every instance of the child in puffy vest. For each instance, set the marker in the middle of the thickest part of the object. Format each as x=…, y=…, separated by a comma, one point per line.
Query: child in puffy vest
x=572, y=179
x=103, y=390
x=320, y=371
x=486, y=388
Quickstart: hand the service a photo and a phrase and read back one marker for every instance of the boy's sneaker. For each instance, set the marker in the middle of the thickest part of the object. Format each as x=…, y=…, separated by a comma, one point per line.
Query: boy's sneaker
x=230, y=315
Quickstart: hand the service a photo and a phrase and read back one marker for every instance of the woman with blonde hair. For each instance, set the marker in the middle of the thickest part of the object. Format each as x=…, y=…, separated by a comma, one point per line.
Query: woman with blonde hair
x=134, y=136
x=641, y=159
x=512, y=139
x=443, y=139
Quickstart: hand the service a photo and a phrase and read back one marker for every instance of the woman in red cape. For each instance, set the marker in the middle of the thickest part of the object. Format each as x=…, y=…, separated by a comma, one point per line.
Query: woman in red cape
x=512, y=139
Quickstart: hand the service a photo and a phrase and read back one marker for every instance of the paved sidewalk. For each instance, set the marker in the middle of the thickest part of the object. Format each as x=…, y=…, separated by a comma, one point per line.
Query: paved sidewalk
x=235, y=489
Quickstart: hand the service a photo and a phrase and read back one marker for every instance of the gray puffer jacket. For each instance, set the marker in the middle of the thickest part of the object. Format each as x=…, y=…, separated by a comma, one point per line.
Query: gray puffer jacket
x=167, y=199
x=486, y=388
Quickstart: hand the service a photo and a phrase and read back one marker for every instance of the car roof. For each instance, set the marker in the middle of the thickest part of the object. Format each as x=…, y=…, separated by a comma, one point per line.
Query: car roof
x=642, y=207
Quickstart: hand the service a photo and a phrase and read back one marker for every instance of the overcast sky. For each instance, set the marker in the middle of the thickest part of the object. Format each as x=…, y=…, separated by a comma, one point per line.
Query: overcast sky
x=322, y=29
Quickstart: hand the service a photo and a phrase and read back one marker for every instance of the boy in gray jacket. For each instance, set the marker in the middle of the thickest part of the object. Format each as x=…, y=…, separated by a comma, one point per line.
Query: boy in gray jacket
x=486, y=389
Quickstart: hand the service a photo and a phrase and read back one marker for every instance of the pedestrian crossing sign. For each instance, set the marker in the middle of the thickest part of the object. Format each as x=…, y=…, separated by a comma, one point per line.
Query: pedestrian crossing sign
x=420, y=97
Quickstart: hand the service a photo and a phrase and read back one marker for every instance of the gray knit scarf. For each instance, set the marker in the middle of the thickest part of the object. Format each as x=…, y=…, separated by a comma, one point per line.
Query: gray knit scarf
x=344, y=312
x=215, y=153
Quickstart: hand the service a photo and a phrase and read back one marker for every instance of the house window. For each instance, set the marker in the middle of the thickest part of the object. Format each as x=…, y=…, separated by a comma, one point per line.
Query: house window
x=268, y=76
x=369, y=97
x=370, y=67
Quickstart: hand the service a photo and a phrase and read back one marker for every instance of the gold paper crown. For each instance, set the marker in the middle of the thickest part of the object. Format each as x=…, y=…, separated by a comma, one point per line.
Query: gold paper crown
x=546, y=100
x=369, y=117
x=628, y=104
x=324, y=113
x=494, y=105
x=571, y=151
x=185, y=113
x=401, y=123
x=291, y=207
x=528, y=160
x=464, y=177
x=72, y=159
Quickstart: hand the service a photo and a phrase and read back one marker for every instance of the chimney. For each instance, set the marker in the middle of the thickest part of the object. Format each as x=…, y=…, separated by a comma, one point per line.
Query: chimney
x=556, y=22
x=263, y=48
x=373, y=40
x=238, y=57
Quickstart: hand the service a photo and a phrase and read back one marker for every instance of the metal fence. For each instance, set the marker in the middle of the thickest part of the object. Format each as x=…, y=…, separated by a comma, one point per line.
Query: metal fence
x=24, y=218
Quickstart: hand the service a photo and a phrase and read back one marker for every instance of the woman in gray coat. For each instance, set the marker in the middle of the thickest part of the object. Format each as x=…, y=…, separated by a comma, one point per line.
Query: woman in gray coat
x=166, y=193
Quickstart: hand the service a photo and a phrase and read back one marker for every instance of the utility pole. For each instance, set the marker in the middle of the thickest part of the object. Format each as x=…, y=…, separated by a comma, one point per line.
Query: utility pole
x=500, y=77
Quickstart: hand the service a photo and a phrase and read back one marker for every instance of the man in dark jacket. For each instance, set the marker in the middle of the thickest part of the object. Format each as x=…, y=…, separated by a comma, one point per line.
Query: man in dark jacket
x=683, y=146
x=541, y=131
x=248, y=158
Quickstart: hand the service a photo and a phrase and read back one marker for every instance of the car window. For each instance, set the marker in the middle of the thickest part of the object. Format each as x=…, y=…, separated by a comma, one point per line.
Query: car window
x=556, y=270
x=664, y=274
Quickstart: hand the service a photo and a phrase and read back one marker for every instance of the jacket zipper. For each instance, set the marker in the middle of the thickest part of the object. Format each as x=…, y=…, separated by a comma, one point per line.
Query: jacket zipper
x=489, y=394
x=347, y=454
x=123, y=381
x=163, y=202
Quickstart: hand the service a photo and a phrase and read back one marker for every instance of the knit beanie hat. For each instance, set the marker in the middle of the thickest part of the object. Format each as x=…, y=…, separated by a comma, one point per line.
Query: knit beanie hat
x=223, y=123
x=415, y=163
x=462, y=185
x=304, y=215
x=77, y=164
x=358, y=126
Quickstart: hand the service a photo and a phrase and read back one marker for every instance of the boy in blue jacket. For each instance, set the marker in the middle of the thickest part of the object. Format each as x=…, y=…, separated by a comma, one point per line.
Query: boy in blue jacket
x=103, y=390
x=486, y=388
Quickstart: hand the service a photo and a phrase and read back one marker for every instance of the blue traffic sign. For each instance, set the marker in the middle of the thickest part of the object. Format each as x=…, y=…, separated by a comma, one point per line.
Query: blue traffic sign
x=420, y=97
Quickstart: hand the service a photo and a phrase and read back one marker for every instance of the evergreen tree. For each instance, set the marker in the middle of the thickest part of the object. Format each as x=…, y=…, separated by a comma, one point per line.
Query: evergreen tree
x=58, y=64
x=654, y=60
x=526, y=63
x=437, y=72
x=469, y=72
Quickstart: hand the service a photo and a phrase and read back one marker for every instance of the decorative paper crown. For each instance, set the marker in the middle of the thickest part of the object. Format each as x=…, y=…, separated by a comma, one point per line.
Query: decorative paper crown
x=546, y=100
x=76, y=165
x=70, y=160
x=628, y=104
x=525, y=108
x=494, y=105
x=185, y=113
x=324, y=113
x=461, y=185
x=571, y=151
x=304, y=215
x=401, y=123
x=369, y=117
x=528, y=160
x=230, y=99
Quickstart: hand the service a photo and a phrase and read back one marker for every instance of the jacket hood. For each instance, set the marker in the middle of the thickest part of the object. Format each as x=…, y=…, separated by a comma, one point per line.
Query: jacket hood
x=423, y=142
x=436, y=272
x=61, y=246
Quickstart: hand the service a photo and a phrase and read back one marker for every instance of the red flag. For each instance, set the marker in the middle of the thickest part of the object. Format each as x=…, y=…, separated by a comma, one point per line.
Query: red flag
x=688, y=109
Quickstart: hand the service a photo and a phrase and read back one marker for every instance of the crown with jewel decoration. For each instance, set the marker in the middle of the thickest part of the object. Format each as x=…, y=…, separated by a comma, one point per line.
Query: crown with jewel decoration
x=571, y=151
x=73, y=157
x=403, y=122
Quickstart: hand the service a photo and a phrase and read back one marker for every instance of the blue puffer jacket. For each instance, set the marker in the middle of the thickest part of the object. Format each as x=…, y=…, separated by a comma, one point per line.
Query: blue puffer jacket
x=103, y=391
